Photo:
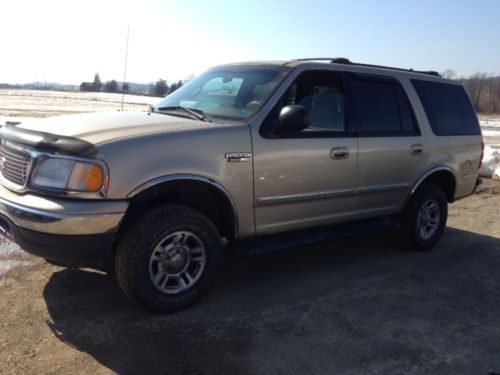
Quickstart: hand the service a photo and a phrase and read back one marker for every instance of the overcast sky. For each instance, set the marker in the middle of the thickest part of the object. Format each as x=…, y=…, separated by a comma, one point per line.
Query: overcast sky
x=67, y=41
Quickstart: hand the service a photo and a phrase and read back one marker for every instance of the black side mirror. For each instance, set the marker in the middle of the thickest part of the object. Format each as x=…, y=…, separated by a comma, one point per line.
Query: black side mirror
x=293, y=117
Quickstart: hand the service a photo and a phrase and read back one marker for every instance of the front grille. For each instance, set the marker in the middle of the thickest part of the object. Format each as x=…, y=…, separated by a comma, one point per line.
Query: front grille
x=14, y=165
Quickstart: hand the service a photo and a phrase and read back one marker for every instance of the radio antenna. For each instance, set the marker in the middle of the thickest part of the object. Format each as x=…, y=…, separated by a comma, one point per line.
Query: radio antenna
x=125, y=68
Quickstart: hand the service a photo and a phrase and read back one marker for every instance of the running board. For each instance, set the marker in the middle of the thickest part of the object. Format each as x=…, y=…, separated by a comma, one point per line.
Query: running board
x=314, y=236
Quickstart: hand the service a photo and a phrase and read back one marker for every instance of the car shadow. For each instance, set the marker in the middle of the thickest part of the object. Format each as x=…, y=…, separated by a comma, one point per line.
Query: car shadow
x=353, y=305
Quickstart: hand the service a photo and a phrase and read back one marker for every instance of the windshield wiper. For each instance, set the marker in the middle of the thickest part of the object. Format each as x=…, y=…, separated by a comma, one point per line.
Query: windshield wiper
x=194, y=113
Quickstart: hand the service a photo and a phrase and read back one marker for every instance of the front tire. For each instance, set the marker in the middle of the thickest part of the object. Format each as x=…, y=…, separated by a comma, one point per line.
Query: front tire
x=424, y=218
x=168, y=258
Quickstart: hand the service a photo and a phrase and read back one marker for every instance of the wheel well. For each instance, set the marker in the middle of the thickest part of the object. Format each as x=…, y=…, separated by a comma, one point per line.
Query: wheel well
x=200, y=195
x=444, y=180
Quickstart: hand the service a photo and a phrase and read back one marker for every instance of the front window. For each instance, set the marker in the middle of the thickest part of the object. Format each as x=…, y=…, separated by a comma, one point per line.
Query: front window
x=232, y=93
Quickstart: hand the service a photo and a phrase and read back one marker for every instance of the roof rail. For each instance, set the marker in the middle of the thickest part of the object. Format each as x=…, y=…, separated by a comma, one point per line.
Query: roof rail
x=343, y=60
x=319, y=59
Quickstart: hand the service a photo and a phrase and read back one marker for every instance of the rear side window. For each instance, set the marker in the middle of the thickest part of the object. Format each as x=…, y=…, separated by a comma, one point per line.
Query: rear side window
x=448, y=108
x=381, y=108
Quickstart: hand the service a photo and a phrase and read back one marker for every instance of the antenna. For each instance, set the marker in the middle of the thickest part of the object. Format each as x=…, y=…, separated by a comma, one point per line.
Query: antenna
x=125, y=68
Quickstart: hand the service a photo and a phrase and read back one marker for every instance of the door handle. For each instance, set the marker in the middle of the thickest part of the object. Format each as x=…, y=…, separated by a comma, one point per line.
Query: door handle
x=417, y=149
x=339, y=153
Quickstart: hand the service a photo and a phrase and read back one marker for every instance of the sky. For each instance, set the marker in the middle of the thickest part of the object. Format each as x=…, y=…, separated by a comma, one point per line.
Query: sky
x=68, y=41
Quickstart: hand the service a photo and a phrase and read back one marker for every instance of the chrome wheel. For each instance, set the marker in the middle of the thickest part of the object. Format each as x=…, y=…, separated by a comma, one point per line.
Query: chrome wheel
x=177, y=262
x=428, y=219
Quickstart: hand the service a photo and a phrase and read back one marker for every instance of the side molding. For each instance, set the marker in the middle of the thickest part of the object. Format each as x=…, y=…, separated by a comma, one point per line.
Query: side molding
x=302, y=197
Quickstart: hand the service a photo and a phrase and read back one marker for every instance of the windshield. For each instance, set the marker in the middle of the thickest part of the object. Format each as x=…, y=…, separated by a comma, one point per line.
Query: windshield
x=233, y=93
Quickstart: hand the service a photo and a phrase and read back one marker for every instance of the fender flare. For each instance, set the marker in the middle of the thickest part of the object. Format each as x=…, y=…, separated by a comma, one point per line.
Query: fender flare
x=430, y=172
x=190, y=177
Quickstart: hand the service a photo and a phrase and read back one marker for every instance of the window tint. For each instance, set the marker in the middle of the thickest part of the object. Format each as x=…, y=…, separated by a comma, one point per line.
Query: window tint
x=322, y=95
x=408, y=121
x=376, y=107
x=448, y=108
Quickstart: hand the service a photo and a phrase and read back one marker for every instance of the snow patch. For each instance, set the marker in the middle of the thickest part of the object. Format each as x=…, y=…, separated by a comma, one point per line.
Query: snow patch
x=7, y=265
x=8, y=248
x=488, y=122
x=490, y=167
x=8, y=251
x=490, y=133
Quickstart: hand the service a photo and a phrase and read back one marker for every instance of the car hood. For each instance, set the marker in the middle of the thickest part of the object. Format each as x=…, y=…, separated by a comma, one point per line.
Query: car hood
x=103, y=127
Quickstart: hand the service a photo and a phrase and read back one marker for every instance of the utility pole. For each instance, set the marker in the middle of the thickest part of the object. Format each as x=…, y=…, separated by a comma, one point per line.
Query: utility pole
x=125, y=68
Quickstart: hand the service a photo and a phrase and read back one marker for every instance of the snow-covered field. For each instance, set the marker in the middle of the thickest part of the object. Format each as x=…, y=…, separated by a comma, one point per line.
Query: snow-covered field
x=21, y=104
x=491, y=132
x=490, y=125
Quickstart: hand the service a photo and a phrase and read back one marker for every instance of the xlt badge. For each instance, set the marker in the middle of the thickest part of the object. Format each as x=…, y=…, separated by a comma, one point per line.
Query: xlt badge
x=238, y=156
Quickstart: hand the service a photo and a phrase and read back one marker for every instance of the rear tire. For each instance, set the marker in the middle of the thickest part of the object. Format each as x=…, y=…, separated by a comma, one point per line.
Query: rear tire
x=424, y=218
x=168, y=258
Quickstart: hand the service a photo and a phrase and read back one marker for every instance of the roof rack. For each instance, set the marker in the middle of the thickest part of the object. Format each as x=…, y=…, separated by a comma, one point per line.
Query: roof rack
x=343, y=60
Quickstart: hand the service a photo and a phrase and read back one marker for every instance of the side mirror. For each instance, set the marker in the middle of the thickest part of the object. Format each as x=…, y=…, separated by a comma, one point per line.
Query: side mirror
x=293, y=117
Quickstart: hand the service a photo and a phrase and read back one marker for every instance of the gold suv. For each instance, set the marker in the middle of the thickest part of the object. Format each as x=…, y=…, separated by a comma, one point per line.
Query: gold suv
x=241, y=153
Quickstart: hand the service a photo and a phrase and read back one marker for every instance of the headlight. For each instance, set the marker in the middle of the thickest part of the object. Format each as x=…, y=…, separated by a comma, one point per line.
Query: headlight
x=69, y=174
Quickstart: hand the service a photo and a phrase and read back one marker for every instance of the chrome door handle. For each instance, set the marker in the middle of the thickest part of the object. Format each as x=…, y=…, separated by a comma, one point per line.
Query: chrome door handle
x=339, y=153
x=416, y=149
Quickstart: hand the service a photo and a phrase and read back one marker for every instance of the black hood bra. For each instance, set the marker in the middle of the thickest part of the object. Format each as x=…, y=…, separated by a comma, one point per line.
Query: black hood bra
x=47, y=142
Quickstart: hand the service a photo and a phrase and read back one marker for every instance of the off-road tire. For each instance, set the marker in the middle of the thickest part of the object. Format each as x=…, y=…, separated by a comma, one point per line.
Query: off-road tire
x=132, y=260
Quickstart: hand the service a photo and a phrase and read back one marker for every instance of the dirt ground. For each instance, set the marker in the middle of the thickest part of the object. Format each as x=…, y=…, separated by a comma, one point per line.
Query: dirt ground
x=353, y=306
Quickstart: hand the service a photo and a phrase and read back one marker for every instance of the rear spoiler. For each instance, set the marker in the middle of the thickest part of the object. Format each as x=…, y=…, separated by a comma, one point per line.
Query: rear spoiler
x=47, y=142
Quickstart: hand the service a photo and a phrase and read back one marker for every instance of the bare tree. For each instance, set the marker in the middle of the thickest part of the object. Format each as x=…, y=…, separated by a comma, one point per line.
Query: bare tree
x=475, y=86
x=484, y=91
x=449, y=74
x=496, y=95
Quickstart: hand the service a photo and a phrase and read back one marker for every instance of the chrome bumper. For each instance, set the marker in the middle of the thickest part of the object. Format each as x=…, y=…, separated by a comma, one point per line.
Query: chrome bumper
x=61, y=217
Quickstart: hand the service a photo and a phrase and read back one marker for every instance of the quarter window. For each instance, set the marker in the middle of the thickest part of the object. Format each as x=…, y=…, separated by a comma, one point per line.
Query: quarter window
x=448, y=108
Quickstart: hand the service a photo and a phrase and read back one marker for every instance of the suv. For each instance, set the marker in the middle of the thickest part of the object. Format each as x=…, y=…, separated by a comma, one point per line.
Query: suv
x=241, y=152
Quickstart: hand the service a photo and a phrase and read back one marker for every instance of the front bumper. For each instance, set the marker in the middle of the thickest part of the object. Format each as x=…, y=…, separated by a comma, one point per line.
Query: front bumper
x=63, y=231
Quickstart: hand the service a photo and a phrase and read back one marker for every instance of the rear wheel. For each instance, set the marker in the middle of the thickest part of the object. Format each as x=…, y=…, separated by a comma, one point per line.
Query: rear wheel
x=168, y=258
x=424, y=218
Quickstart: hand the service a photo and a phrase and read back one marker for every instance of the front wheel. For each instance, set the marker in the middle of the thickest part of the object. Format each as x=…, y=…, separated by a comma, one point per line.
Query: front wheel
x=424, y=218
x=168, y=257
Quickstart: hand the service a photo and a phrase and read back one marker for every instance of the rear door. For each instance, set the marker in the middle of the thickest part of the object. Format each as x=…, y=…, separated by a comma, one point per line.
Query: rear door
x=391, y=147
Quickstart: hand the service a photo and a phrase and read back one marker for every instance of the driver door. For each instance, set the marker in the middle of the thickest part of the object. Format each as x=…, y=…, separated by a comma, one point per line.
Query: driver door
x=306, y=178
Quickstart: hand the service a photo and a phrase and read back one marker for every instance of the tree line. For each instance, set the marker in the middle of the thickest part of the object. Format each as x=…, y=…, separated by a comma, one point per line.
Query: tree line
x=159, y=88
x=484, y=91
